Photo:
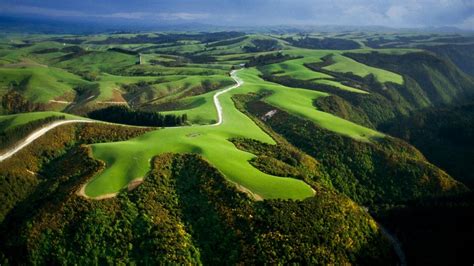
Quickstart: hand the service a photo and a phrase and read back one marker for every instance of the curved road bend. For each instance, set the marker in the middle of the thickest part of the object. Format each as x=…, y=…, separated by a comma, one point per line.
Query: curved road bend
x=217, y=103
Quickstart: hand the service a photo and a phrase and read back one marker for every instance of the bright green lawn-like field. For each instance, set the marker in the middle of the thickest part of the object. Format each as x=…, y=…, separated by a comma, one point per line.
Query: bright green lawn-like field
x=129, y=160
x=212, y=143
x=344, y=64
x=296, y=69
x=42, y=83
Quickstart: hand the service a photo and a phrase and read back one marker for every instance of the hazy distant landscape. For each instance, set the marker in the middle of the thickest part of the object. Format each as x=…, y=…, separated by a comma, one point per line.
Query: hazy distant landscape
x=181, y=142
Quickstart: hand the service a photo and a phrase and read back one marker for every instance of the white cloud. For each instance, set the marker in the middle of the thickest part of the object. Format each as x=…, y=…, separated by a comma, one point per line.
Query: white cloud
x=397, y=13
x=394, y=13
x=365, y=14
x=468, y=23
x=130, y=15
x=183, y=16
x=32, y=10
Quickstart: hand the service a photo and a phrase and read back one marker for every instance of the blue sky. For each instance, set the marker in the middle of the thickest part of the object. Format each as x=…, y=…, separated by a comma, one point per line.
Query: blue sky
x=401, y=13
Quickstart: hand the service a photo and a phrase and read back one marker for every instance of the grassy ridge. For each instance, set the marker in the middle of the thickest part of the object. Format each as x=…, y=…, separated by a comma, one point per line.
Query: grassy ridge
x=213, y=144
x=39, y=84
x=344, y=64
x=158, y=223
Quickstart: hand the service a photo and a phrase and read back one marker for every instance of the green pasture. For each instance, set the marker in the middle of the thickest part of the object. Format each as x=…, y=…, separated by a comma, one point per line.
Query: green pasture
x=99, y=61
x=41, y=84
x=212, y=143
x=129, y=160
x=344, y=64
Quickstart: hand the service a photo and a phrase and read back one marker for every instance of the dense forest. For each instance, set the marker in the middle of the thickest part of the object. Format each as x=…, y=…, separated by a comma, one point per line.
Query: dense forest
x=158, y=222
x=22, y=179
x=268, y=59
x=263, y=45
x=415, y=219
x=127, y=116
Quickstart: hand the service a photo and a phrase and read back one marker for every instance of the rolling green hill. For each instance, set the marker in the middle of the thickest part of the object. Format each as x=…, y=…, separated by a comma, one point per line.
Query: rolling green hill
x=286, y=147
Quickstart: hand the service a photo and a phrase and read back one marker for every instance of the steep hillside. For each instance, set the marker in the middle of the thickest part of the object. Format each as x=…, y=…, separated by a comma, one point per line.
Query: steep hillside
x=428, y=81
x=265, y=148
x=157, y=222
x=461, y=54
x=440, y=80
x=22, y=175
x=383, y=171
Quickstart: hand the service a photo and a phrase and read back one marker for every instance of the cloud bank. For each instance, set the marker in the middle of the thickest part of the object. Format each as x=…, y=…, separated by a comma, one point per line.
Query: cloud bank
x=393, y=13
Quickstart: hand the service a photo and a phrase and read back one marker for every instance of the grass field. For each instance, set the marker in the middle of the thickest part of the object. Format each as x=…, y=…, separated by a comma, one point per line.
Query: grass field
x=180, y=89
x=344, y=64
x=105, y=61
x=41, y=84
x=213, y=144
x=296, y=69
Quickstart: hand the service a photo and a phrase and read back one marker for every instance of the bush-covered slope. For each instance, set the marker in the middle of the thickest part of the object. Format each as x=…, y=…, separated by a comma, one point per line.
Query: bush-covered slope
x=186, y=212
x=324, y=43
x=460, y=54
x=441, y=81
x=385, y=170
x=429, y=81
x=22, y=174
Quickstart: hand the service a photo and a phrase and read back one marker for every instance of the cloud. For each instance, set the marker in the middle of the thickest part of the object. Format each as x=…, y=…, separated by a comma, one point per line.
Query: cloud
x=156, y=16
x=183, y=16
x=395, y=13
x=125, y=15
x=363, y=15
x=32, y=10
x=467, y=24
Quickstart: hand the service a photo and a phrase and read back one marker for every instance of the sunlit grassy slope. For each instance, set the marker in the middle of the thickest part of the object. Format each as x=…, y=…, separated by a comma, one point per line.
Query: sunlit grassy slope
x=344, y=64
x=296, y=69
x=176, y=88
x=41, y=84
x=213, y=144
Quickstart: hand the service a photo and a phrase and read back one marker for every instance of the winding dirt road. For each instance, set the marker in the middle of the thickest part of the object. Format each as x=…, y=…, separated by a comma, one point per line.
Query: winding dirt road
x=217, y=103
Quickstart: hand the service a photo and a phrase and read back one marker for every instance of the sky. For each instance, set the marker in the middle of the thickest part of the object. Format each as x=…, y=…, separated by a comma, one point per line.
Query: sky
x=391, y=13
